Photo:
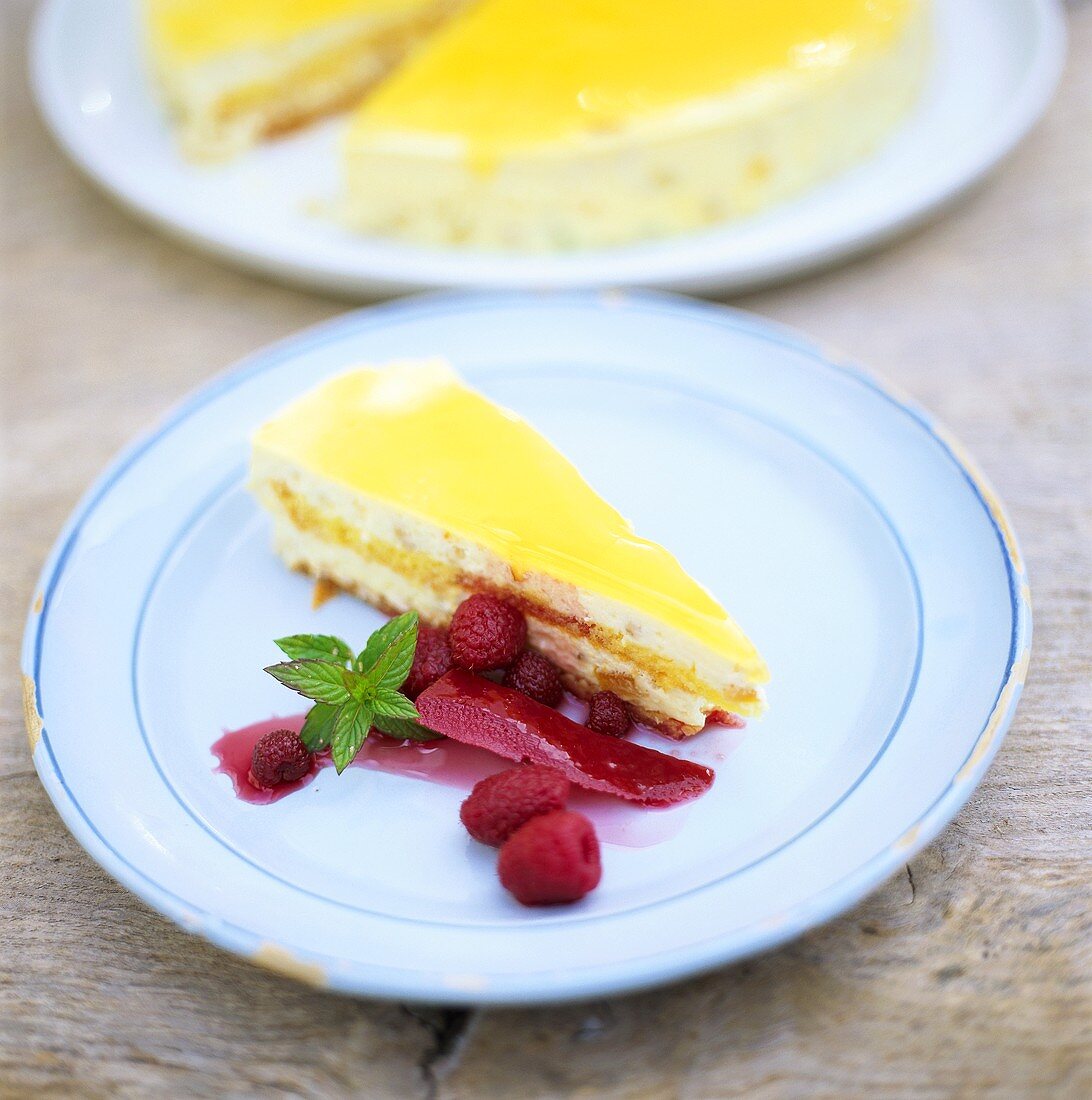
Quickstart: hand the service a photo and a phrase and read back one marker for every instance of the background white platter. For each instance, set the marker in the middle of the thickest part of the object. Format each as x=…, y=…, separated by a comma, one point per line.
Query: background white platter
x=850, y=535
x=996, y=65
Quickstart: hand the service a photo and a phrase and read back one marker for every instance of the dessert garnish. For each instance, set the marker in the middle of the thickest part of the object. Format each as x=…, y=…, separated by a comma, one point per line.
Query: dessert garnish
x=499, y=804
x=351, y=694
x=608, y=714
x=486, y=633
x=548, y=855
x=414, y=682
x=537, y=677
x=431, y=659
x=551, y=860
x=477, y=711
x=279, y=757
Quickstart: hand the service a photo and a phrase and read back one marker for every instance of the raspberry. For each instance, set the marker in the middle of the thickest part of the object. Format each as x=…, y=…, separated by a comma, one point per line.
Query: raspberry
x=279, y=757
x=608, y=714
x=536, y=677
x=551, y=859
x=486, y=633
x=431, y=660
x=499, y=804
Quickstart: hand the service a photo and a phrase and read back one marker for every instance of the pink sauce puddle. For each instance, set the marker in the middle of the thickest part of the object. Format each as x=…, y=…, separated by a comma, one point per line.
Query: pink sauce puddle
x=451, y=764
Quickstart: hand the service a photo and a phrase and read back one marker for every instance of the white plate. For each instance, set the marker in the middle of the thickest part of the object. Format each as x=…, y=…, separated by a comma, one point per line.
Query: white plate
x=850, y=535
x=997, y=62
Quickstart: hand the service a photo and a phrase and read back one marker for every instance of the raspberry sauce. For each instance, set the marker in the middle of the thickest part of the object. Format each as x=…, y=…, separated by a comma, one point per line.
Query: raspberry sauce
x=447, y=763
x=488, y=715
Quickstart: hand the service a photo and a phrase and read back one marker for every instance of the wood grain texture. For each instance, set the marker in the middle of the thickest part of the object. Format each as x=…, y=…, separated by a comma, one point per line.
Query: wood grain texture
x=969, y=974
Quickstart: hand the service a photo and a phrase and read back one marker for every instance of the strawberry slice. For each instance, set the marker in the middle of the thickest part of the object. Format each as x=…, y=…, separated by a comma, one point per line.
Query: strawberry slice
x=479, y=712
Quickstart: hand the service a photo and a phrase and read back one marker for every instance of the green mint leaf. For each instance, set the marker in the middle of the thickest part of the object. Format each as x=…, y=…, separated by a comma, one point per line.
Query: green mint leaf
x=393, y=704
x=351, y=727
x=405, y=729
x=315, y=647
x=348, y=700
x=319, y=680
x=318, y=726
x=387, y=657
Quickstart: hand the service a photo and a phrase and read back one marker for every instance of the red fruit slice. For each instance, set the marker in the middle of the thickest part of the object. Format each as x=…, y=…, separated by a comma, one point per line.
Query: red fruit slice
x=479, y=712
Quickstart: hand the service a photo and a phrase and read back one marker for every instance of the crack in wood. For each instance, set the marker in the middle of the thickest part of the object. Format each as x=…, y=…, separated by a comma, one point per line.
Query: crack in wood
x=448, y=1029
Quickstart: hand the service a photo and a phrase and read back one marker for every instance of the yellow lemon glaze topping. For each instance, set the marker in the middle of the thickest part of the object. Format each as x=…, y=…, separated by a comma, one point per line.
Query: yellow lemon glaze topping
x=194, y=30
x=512, y=72
x=416, y=437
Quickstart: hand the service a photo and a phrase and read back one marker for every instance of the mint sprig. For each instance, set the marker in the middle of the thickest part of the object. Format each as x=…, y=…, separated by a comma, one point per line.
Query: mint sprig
x=322, y=681
x=404, y=729
x=315, y=647
x=352, y=724
x=353, y=694
x=318, y=727
x=389, y=653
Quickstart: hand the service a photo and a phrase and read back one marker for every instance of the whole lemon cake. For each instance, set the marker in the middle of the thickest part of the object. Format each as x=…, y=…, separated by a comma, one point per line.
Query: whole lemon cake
x=584, y=123
x=410, y=489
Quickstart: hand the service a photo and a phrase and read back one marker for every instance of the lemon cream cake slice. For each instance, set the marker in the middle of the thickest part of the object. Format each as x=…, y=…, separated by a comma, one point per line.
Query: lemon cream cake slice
x=408, y=488
x=527, y=125
x=234, y=71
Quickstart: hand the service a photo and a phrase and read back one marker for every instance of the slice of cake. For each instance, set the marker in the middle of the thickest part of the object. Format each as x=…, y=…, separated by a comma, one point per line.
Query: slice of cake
x=534, y=126
x=234, y=71
x=410, y=489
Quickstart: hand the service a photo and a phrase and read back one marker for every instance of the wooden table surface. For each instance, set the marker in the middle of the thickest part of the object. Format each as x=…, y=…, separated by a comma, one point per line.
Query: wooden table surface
x=970, y=973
